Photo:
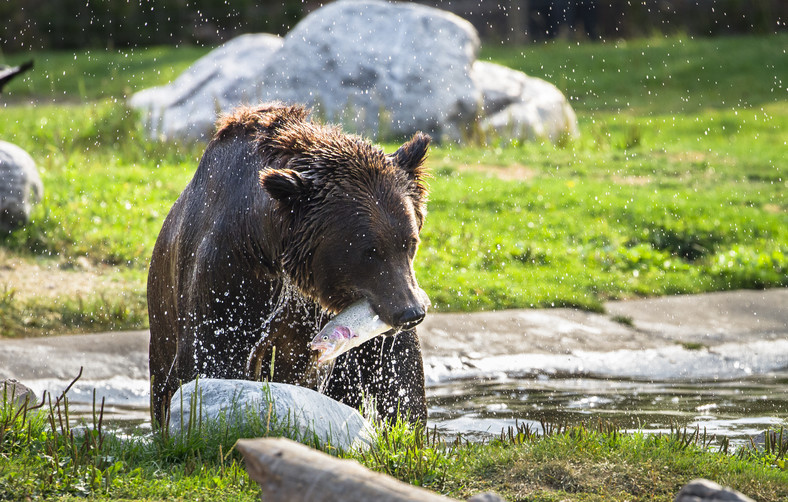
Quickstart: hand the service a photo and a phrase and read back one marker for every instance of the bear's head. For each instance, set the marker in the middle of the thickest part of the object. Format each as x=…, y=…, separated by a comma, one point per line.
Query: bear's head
x=351, y=217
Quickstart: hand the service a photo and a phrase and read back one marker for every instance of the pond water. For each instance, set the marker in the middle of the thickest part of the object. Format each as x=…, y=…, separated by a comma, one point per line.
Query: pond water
x=482, y=407
x=734, y=409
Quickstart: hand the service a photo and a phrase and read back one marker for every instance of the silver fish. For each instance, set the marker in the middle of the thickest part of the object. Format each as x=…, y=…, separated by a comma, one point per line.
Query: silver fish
x=348, y=329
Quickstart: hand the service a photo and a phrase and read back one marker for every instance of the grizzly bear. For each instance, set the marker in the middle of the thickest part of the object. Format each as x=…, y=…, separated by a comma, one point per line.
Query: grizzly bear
x=286, y=222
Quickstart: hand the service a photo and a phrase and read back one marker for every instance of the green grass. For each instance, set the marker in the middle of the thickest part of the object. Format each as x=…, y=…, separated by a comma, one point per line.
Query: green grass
x=592, y=465
x=89, y=75
x=659, y=75
x=44, y=456
x=676, y=185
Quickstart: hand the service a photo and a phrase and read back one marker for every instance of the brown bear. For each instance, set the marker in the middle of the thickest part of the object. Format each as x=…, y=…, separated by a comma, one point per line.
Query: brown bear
x=286, y=222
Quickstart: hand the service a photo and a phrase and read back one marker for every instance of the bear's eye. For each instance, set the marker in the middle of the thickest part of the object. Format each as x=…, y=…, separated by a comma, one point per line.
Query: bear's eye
x=411, y=246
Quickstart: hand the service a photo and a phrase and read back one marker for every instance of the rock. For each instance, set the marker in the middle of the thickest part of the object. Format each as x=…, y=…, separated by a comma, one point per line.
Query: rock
x=774, y=437
x=8, y=73
x=486, y=497
x=378, y=68
x=522, y=107
x=291, y=472
x=703, y=490
x=186, y=109
x=20, y=187
x=19, y=394
x=309, y=413
x=371, y=65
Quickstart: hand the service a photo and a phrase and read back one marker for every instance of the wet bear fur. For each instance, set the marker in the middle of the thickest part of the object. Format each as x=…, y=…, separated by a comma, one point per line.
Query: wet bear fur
x=285, y=222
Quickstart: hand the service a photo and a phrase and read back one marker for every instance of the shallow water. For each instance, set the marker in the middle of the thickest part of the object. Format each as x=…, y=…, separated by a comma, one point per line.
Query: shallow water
x=479, y=408
x=735, y=409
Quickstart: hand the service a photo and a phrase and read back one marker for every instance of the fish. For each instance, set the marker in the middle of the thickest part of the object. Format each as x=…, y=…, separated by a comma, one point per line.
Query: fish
x=348, y=329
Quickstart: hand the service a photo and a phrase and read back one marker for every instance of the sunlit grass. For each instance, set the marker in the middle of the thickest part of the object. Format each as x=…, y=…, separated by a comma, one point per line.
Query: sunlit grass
x=87, y=75
x=676, y=185
x=658, y=75
x=44, y=455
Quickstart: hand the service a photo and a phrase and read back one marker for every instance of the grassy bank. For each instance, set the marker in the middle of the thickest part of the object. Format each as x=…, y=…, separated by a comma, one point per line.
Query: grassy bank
x=42, y=456
x=677, y=184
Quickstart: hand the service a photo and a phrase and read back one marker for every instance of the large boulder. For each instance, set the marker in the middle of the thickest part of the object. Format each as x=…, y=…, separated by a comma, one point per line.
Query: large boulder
x=186, y=108
x=304, y=413
x=20, y=187
x=518, y=106
x=378, y=68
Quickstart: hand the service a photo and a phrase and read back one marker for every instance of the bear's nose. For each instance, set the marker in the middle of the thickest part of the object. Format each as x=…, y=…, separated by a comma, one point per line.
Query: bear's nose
x=409, y=317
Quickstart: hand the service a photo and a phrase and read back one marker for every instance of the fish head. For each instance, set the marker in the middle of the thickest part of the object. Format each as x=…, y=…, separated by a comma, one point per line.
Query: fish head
x=330, y=344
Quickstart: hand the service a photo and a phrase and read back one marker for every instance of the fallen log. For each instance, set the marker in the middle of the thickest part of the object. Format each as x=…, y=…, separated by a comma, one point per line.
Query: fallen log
x=291, y=472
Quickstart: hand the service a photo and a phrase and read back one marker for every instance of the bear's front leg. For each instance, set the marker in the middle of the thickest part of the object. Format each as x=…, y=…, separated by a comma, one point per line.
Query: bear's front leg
x=388, y=370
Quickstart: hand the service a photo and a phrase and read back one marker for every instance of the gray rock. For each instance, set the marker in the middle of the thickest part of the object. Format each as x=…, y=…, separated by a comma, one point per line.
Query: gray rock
x=20, y=186
x=379, y=67
x=19, y=394
x=522, y=107
x=306, y=412
x=759, y=440
x=186, y=109
x=370, y=65
x=703, y=490
x=486, y=497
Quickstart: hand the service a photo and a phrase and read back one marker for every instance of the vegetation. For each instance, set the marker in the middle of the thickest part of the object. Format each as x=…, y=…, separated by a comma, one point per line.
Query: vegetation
x=676, y=185
x=43, y=455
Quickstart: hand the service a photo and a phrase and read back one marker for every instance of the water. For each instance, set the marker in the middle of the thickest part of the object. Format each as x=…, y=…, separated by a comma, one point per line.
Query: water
x=481, y=407
x=733, y=409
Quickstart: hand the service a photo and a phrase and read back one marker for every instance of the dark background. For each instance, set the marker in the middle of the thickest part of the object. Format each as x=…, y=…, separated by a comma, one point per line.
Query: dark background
x=71, y=24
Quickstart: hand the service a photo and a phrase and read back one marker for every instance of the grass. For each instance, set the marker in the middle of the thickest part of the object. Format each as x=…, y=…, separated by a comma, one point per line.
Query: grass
x=676, y=185
x=658, y=75
x=44, y=456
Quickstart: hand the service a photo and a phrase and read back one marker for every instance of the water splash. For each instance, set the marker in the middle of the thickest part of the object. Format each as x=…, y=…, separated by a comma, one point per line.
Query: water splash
x=287, y=294
x=324, y=372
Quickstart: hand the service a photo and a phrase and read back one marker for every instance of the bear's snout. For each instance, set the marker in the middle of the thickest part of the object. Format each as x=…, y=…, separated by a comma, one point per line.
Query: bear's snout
x=409, y=318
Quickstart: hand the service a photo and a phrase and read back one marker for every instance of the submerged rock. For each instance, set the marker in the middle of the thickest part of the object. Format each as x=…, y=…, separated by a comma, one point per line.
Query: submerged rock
x=306, y=414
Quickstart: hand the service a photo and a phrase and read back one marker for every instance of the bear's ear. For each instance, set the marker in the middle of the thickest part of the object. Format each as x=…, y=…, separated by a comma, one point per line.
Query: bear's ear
x=410, y=156
x=284, y=185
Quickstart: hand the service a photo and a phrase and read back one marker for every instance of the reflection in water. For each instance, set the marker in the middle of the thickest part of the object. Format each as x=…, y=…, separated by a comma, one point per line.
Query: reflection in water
x=482, y=407
x=736, y=409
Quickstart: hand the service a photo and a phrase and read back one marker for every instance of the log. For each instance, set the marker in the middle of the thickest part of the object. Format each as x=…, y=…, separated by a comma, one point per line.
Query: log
x=291, y=472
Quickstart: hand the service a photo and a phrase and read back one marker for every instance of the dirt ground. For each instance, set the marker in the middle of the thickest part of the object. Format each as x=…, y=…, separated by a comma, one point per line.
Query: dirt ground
x=26, y=278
